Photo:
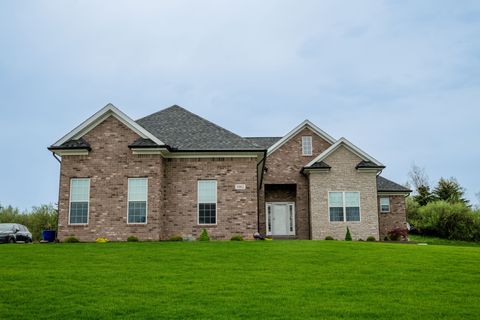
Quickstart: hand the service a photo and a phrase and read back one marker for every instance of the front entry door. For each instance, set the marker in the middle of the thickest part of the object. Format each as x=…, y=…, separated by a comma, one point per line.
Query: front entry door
x=280, y=219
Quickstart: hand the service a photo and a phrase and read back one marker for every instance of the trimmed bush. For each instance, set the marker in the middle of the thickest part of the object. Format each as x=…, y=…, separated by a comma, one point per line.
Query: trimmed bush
x=329, y=238
x=348, y=236
x=102, y=240
x=236, y=238
x=204, y=236
x=398, y=234
x=176, y=238
x=132, y=239
x=71, y=240
x=371, y=239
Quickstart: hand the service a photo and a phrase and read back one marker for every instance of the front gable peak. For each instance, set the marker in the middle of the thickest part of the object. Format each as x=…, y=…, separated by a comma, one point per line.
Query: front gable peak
x=367, y=161
x=99, y=117
x=305, y=124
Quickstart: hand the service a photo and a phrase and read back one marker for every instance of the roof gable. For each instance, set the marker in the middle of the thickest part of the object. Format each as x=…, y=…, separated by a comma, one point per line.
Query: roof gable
x=183, y=130
x=296, y=130
x=99, y=117
x=349, y=146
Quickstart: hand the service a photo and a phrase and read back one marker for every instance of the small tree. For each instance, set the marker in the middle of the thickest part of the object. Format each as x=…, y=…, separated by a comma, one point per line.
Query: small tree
x=423, y=195
x=204, y=236
x=348, y=236
x=449, y=190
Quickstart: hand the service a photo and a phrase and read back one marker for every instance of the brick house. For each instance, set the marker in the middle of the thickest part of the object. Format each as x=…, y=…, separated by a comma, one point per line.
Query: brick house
x=174, y=173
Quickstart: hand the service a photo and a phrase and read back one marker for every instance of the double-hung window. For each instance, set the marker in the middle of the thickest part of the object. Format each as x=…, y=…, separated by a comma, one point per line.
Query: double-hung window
x=207, y=201
x=137, y=200
x=307, y=146
x=344, y=206
x=79, y=199
x=385, y=204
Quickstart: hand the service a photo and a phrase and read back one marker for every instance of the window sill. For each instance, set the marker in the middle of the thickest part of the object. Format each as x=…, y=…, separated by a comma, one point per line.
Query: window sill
x=77, y=224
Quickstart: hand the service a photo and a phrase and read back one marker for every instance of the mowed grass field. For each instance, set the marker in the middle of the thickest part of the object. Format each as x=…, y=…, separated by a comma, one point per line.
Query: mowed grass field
x=239, y=280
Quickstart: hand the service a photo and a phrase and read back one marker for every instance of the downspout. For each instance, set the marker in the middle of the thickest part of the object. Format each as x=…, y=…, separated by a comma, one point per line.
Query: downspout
x=59, y=186
x=260, y=187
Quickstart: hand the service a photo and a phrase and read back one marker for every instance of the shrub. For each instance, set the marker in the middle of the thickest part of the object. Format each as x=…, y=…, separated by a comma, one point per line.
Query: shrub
x=398, y=234
x=446, y=220
x=204, y=236
x=71, y=240
x=132, y=239
x=102, y=240
x=348, y=236
x=176, y=238
x=329, y=238
x=371, y=238
x=236, y=238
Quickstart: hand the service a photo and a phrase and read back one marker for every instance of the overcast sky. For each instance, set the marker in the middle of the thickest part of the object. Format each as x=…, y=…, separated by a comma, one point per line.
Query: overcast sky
x=400, y=79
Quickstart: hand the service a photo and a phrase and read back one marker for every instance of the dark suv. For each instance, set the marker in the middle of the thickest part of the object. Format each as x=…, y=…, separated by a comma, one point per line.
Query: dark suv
x=14, y=232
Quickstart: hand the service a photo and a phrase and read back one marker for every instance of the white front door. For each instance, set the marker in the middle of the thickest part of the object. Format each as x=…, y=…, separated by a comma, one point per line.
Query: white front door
x=280, y=219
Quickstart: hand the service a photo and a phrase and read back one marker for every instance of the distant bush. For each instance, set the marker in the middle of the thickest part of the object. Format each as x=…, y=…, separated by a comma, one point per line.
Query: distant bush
x=454, y=221
x=371, y=239
x=132, y=239
x=39, y=218
x=329, y=238
x=236, y=238
x=348, y=236
x=398, y=234
x=176, y=238
x=71, y=240
x=204, y=236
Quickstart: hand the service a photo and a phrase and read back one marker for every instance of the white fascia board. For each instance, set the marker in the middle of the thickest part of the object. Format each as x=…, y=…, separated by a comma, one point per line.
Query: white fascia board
x=350, y=146
x=296, y=130
x=98, y=117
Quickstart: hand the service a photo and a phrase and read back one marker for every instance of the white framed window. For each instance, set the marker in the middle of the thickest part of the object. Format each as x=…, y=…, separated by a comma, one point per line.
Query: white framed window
x=137, y=200
x=307, y=149
x=344, y=206
x=79, y=200
x=385, y=204
x=207, y=201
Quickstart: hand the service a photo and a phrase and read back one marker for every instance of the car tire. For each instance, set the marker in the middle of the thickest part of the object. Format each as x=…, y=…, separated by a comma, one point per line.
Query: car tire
x=11, y=240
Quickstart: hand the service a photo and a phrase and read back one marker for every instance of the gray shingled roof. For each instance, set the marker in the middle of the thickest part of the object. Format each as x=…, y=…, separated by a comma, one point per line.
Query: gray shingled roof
x=367, y=164
x=182, y=130
x=73, y=144
x=145, y=143
x=265, y=142
x=385, y=185
x=319, y=165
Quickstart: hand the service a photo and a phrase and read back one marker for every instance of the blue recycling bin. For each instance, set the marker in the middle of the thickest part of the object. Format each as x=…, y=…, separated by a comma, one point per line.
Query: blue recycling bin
x=48, y=235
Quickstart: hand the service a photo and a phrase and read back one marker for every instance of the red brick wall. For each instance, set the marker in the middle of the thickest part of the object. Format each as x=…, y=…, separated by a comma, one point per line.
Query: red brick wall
x=109, y=165
x=236, y=209
x=172, y=190
x=395, y=218
x=284, y=166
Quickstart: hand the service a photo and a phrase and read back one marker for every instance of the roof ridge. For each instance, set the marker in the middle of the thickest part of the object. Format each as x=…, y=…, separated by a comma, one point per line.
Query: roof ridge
x=216, y=130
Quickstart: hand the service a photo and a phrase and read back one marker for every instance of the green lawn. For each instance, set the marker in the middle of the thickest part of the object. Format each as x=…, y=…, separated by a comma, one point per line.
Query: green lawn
x=239, y=280
x=443, y=242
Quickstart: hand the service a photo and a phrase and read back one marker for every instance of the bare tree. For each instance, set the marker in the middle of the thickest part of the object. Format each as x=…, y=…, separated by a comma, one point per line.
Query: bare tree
x=418, y=177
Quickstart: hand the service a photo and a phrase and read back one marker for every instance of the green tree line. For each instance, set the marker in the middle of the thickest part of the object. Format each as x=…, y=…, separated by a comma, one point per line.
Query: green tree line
x=37, y=219
x=442, y=211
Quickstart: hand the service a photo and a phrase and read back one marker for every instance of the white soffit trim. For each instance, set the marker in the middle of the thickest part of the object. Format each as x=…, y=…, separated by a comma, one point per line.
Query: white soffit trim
x=296, y=130
x=350, y=146
x=98, y=117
